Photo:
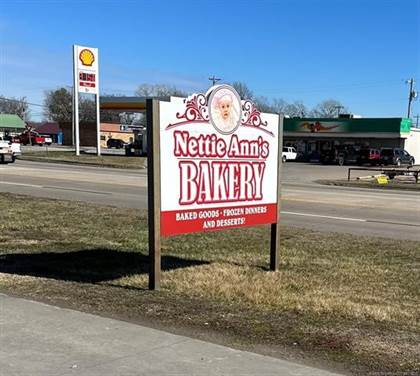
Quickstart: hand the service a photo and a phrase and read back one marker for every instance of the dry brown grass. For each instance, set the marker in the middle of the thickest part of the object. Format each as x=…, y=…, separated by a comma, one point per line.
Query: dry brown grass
x=317, y=284
x=339, y=297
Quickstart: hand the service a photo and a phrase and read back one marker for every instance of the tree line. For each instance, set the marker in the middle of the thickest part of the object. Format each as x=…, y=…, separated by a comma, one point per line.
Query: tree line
x=326, y=109
x=15, y=106
x=57, y=104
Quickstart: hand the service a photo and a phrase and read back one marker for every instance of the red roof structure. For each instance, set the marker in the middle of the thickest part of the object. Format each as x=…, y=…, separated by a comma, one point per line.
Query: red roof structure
x=49, y=128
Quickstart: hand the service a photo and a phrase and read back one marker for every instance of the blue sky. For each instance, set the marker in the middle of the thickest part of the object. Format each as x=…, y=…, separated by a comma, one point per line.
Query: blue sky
x=359, y=52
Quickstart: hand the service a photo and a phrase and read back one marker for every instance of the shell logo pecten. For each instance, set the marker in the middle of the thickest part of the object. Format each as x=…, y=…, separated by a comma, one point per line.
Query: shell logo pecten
x=87, y=57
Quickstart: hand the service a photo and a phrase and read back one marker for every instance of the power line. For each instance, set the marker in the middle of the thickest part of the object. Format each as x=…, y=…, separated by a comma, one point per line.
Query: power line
x=20, y=101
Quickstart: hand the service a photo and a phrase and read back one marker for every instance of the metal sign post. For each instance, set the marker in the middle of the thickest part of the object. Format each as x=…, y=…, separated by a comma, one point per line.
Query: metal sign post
x=76, y=102
x=275, y=227
x=153, y=194
x=98, y=127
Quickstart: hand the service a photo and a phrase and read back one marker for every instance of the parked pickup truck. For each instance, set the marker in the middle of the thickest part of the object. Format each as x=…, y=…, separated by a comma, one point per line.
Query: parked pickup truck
x=47, y=140
x=33, y=138
x=6, y=152
x=289, y=154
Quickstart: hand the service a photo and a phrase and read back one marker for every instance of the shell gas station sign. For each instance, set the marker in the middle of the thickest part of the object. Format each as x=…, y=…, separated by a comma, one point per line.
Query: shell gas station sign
x=86, y=64
x=214, y=163
x=85, y=81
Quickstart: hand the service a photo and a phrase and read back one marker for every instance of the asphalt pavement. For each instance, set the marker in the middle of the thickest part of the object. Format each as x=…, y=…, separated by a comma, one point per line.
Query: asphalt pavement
x=41, y=340
x=370, y=212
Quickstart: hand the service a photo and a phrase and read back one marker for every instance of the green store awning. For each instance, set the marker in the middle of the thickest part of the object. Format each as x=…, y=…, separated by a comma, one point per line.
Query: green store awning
x=9, y=121
x=340, y=125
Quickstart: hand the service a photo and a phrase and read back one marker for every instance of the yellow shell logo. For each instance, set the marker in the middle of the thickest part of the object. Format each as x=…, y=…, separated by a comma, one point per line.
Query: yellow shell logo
x=87, y=57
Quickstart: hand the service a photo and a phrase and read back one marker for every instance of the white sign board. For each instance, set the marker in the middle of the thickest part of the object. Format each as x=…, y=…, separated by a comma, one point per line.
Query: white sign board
x=86, y=71
x=219, y=163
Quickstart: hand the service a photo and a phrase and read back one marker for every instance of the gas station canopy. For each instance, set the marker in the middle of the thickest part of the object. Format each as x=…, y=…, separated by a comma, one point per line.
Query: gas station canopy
x=125, y=103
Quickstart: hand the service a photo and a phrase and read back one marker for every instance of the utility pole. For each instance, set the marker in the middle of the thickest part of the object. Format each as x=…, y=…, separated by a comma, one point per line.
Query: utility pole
x=411, y=95
x=417, y=120
x=214, y=80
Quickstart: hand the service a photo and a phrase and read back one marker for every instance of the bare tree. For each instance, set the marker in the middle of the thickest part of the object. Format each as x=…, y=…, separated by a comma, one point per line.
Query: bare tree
x=296, y=109
x=263, y=104
x=156, y=90
x=16, y=106
x=132, y=118
x=279, y=105
x=276, y=105
x=329, y=108
x=243, y=90
x=87, y=109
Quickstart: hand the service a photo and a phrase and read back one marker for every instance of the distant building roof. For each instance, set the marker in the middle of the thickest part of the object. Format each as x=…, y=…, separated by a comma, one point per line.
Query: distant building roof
x=11, y=121
x=47, y=128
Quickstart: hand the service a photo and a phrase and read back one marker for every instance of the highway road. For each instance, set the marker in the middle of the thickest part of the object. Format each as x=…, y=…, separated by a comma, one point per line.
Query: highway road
x=393, y=214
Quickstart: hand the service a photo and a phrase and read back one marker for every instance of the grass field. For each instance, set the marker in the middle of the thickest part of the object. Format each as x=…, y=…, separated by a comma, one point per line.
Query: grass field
x=118, y=161
x=339, y=301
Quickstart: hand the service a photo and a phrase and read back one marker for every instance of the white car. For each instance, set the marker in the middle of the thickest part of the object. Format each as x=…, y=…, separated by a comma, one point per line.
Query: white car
x=16, y=148
x=289, y=154
x=6, y=152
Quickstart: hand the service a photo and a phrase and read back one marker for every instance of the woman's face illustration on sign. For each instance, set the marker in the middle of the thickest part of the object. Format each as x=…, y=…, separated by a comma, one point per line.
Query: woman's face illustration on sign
x=225, y=109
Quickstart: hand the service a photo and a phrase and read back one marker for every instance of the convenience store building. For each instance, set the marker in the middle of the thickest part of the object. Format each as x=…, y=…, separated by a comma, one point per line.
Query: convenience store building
x=312, y=136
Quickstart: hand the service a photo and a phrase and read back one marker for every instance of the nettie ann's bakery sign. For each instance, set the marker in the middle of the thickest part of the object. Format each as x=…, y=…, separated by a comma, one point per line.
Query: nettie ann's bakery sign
x=218, y=163
x=212, y=164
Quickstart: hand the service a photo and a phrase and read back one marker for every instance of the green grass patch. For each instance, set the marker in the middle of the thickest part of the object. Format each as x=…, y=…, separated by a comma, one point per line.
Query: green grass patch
x=338, y=299
x=116, y=161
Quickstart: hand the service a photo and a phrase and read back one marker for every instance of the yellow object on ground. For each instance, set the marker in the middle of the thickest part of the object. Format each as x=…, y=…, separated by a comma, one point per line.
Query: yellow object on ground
x=382, y=179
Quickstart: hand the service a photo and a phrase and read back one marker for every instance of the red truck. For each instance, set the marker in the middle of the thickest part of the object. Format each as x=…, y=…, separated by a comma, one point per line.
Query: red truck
x=369, y=155
x=32, y=138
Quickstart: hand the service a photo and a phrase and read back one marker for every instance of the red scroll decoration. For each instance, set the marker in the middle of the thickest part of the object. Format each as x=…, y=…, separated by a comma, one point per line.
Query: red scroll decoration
x=195, y=111
x=252, y=117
